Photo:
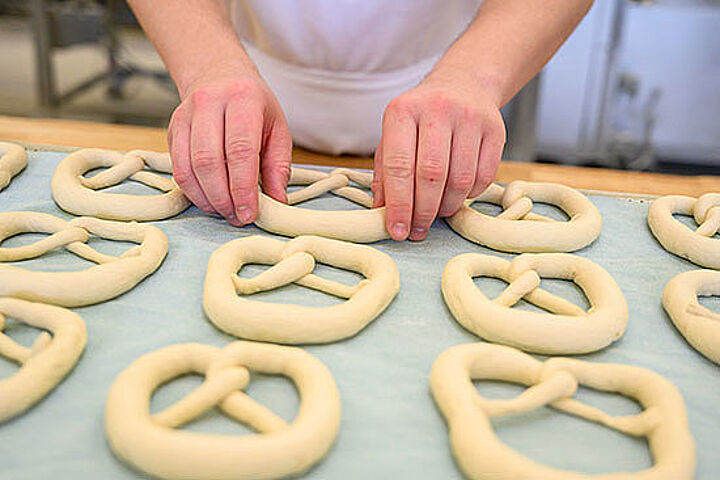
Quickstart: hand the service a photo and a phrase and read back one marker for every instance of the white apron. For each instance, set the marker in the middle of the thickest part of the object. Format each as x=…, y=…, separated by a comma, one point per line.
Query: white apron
x=335, y=64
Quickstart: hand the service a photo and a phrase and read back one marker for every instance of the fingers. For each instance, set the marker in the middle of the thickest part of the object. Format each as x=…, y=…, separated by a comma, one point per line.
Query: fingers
x=377, y=186
x=276, y=159
x=207, y=139
x=491, y=148
x=179, y=143
x=433, y=155
x=464, y=155
x=243, y=130
x=399, y=143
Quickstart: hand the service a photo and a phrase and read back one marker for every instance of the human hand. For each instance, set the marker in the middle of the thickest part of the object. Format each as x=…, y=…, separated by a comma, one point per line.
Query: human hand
x=441, y=143
x=229, y=128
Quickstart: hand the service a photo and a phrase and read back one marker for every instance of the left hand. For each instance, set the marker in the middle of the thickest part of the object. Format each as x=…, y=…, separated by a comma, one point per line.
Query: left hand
x=441, y=143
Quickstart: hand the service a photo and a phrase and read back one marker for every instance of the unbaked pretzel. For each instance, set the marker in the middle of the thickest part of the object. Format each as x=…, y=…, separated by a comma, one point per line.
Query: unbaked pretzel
x=568, y=329
x=108, y=279
x=360, y=226
x=698, y=246
x=699, y=325
x=151, y=443
x=518, y=229
x=293, y=262
x=480, y=453
x=13, y=160
x=46, y=362
x=76, y=193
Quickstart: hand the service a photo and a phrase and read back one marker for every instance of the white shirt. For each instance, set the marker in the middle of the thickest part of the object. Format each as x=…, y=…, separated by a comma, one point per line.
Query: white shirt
x=335, y=64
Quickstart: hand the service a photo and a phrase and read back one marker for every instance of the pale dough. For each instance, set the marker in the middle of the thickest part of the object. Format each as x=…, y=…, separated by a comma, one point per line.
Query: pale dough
x=517, y=229
x=111, y=276
x=46, y=362
x=698, y=246
x=152, y=443
x=76, y=193
x=568, y=329
x=294, y=262
x=480, y=453
x=359, y=226
x=13, y=160
x=699, y=325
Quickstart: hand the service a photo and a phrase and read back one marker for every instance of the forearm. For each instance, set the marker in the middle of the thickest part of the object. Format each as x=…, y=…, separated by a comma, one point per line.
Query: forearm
x=192, y=37
x=509, y=41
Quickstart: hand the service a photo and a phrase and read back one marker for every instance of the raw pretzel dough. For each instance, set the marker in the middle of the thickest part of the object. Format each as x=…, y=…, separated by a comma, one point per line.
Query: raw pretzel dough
x=77, y=194
x=480, y=453
x=151, y=443
x=567, y=330
x=46, y=362
x=294, y=261
x=699, y=247
x=111, y=276
x=13, y=159
x=519, y=230
x=360, y=226
x=699, y=325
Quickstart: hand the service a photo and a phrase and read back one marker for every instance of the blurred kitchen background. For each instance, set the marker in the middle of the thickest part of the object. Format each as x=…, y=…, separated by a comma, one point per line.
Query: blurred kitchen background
x=637, y=86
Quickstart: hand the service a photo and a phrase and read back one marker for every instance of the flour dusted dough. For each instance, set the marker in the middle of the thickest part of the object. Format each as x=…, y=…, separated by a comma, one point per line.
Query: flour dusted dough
x=294, y=262
x=567, y=330
x=13, y=159
x=699, y=325
x=152, y=444
x=360, y=226
x=480, y=453
x=698, y=246
x=46, y=362
x=517, y=229
x=111, y=276
x=77, y=194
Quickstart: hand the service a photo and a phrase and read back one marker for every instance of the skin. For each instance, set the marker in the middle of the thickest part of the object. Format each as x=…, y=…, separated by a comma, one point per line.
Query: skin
x=441, y=141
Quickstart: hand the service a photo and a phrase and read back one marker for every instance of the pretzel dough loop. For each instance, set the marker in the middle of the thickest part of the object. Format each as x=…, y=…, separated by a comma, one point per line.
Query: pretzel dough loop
x=111, y=276
x=13, y=159
x=44, y=364
x=518, y=229
x=76, y=193
x=566, y=329
x=480, y=453
x=150, y=443
x=360, y=226
x=294, y=262
x=697, y=245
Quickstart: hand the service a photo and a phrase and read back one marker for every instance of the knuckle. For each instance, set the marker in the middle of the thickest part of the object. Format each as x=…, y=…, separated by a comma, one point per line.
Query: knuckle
x=423, y=219
x=441, y=103
x=182, y=176
x=206, y=162
x=431, y=171
x=462, y=180
x=201, y=97
x=398, y=167
x=240, y=148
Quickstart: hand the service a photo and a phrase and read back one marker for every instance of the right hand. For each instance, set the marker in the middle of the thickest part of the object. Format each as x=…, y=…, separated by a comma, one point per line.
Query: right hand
x=228, y=129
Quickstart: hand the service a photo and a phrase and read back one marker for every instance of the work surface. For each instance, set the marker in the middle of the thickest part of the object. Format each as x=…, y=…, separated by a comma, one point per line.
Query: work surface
x=390, y=426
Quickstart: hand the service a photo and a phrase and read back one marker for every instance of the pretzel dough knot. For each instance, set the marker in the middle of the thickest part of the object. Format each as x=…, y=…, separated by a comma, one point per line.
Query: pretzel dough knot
x=337, y=182
x=707, y=214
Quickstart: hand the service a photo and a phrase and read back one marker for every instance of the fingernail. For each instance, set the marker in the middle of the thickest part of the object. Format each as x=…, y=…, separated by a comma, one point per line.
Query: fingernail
x=400, y=230
x=418, y=232
x=244, y=214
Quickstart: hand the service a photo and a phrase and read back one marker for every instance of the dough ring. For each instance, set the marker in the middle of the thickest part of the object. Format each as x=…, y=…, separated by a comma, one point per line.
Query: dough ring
x=13, y=160
x=111, y=276
x=76, y=193
x=46, y=362
x=149, y=442
x=360, y=226
x=518, y=229
x=480, y=453
x=699, y=325
x=294, y=262
x=567, y=330
x=698, y=246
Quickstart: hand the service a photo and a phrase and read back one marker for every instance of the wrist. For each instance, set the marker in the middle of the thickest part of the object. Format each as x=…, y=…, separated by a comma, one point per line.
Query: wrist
x=228, y=61
x=464, y=71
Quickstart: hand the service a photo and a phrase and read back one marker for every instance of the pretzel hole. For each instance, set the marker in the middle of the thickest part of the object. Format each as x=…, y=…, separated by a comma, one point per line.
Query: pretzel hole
x=298, y=294
x=544, y=209
x=711, y=302
x=569, y=442
x=129, y=186
x=492, y=287
x=275, y=392
x=689, y=221
x=328, y=201
x=22, y=334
